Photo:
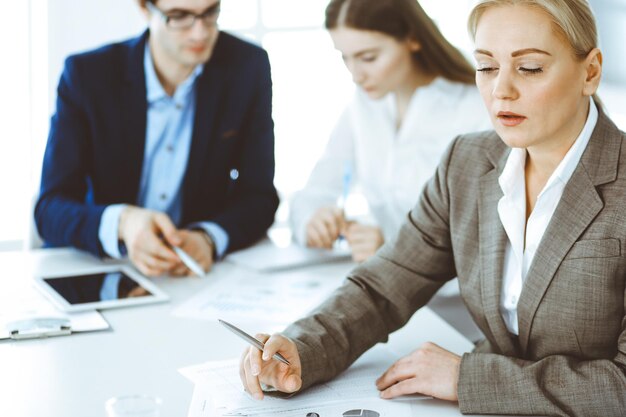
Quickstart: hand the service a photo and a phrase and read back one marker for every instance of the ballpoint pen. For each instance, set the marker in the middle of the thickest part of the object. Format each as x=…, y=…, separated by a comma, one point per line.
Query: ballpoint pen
x=346, y=183
x=254, y=342
x=189, y=261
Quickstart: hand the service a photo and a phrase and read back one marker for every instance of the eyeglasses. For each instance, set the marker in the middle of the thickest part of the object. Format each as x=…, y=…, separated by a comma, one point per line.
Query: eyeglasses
x=180, y=19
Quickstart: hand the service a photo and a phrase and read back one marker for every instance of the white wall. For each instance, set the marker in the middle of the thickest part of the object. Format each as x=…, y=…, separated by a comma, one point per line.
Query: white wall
x=78, y=25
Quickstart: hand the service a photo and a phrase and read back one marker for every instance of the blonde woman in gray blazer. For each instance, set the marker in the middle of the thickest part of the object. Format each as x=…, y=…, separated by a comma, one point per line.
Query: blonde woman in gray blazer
x=532, y=219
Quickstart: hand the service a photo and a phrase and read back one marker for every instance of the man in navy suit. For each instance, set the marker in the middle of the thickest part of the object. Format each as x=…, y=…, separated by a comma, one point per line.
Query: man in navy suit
x=163, y=140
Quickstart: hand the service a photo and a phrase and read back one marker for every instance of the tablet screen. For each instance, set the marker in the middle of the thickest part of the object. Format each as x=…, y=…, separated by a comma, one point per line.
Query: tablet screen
x=81, y=289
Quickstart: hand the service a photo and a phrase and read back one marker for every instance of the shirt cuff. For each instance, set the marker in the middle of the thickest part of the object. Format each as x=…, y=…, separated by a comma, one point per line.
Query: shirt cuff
x=218, y=236
x=108, y=232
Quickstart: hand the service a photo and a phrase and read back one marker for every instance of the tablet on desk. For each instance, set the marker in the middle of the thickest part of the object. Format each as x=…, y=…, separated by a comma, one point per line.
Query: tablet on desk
x=112, y=288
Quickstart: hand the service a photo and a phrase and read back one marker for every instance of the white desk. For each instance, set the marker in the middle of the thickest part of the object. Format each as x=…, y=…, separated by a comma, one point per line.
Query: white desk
x=74, y=375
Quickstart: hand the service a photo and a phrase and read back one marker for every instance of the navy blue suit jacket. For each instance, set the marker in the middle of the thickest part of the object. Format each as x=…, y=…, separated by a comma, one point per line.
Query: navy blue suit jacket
x=96, y=144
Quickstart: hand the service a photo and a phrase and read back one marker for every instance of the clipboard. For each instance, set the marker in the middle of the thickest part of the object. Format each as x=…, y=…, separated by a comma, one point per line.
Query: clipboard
x=38, y=327
x=27, y=314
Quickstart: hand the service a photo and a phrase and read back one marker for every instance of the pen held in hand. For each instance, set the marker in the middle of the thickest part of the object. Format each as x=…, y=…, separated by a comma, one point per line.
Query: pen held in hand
x=254, y=342
x=189, y=261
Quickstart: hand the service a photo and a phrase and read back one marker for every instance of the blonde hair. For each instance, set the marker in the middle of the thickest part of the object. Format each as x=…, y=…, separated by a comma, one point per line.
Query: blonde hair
x=404, y=19
x=573, y=19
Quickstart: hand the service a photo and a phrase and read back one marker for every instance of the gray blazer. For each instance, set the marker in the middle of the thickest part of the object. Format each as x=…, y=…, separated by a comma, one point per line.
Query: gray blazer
x=570, y=356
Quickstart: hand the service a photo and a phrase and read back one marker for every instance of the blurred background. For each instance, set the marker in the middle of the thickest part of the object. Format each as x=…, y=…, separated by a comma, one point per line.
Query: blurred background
x=311, y=85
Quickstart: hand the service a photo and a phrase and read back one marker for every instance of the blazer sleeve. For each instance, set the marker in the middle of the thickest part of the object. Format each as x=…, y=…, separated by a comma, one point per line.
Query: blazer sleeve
x=251, y=208
x=325, y=184
x=61, y=214
x=382, y=294
x=557, y=385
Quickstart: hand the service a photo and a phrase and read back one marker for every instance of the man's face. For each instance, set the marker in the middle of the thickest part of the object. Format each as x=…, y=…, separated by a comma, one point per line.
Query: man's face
x=178, y=43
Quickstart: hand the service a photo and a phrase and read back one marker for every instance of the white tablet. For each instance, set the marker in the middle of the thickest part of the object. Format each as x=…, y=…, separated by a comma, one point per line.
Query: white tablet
x=112, y=288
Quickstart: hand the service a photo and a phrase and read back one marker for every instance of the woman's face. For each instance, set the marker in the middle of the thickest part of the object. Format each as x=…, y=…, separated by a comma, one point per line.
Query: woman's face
x=535, y=89
x=379, y=63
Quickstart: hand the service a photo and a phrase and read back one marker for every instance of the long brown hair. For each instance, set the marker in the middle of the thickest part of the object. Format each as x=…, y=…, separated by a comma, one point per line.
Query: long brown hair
x=404, y=19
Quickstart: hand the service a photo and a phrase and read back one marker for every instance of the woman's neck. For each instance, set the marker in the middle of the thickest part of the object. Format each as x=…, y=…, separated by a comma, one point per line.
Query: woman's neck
x=404, y=92
x=543, y=159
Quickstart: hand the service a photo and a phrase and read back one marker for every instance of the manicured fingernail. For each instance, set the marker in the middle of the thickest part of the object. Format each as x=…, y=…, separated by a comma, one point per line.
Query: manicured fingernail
x=255, y=370
x=266, y=356
x=258, y=396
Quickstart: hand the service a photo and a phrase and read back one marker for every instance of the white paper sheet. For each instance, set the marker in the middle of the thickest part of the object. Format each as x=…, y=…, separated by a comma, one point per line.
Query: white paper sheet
x=269, y=298
x=220, y=392
x=267, y=257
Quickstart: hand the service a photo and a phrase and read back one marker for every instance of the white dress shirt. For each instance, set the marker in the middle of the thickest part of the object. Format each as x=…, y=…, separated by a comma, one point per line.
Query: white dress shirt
x=512, y=213
x=389, y=165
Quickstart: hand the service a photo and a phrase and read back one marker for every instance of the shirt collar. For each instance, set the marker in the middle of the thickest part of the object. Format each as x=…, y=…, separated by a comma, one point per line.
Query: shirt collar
x=154, y=89
x=513, y=171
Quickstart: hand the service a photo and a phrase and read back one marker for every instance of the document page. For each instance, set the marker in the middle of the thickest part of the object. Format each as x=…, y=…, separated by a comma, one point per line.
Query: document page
x=276, y=299
x=219, y=381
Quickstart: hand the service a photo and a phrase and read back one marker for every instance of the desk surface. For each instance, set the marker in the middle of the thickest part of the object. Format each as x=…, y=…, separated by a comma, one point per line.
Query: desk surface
x=75, y=375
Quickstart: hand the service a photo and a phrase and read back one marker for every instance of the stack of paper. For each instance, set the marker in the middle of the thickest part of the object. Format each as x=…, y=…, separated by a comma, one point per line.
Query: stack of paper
x=219, y=392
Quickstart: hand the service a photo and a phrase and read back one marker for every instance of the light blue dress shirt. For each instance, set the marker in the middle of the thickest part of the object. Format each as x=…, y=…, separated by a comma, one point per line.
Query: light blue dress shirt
x=168, y=140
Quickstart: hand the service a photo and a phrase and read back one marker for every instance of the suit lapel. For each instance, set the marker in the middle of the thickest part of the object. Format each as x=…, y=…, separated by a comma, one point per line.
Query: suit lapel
x=578, y=207
x=134, y=108
x=492, y=248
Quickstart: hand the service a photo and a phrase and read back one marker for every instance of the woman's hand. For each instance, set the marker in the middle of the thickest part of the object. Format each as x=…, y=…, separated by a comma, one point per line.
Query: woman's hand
x=429, y=370
x=324, y=227
x=258, y=367
x=364, y=240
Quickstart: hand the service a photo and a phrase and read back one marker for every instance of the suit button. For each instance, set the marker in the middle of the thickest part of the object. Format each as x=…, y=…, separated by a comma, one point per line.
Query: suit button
x=163, y=197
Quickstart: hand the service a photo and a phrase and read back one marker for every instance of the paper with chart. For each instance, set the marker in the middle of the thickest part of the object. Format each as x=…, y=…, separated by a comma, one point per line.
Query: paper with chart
x=223, y=392
x=269, y=298
x=370, y=407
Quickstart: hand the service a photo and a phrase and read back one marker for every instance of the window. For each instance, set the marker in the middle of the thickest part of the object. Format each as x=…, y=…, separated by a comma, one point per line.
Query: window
x=15, y=125
x=311, y=85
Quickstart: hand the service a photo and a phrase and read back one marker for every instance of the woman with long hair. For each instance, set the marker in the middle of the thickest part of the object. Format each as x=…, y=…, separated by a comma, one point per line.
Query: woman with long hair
x=415, y=93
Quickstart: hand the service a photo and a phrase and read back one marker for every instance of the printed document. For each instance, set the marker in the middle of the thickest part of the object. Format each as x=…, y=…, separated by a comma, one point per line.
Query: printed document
x=219, y=391
x=276, y=299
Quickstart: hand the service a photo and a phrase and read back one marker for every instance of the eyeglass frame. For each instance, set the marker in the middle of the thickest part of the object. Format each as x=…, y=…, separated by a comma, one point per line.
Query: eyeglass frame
x=212, y=12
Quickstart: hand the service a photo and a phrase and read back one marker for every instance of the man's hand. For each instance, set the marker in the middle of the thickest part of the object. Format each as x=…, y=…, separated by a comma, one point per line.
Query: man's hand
x=364, y=240
x=146, y=234
x=258, y=367
x=430, y=370
x=324, y=227
x=198, y=245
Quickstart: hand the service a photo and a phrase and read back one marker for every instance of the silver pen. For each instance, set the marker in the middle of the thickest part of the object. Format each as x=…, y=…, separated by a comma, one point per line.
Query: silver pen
x=254, y=342
x=189, y=261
